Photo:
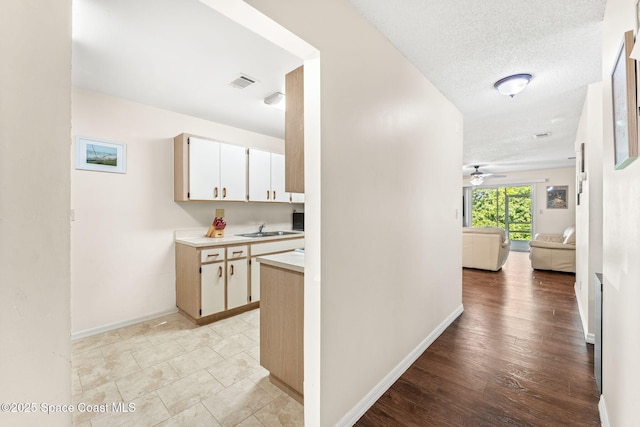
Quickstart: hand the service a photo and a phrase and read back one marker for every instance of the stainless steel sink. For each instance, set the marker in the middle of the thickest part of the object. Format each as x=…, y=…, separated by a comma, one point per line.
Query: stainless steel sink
x=268, y=233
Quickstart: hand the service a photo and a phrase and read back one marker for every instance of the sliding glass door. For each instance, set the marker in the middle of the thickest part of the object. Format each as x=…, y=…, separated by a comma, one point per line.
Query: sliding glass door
x=509, y=208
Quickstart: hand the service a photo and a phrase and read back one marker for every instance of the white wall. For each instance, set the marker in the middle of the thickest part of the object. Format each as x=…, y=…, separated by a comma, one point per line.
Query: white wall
x=389, y=168
x=589, y=212
x=122, y=251
x=545, y=220
x=621, y=250
x=34, y=208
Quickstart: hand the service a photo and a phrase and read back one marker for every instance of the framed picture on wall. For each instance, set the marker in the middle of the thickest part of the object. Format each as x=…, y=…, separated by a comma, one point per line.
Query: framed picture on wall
x=625, y=117
x=557, y=197
x=102, y=156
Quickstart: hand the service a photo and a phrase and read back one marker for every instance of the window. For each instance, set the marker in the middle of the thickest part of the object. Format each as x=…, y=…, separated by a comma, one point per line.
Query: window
x=509, y=208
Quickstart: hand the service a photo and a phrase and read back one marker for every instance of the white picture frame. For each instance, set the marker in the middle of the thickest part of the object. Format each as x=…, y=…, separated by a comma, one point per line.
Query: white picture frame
x=625, y=116
x=102, y=156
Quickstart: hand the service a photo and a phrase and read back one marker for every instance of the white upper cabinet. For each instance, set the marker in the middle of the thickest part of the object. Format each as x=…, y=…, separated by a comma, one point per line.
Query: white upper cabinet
x=206, y=169
x=259, y=175
x=233, y=172
x=277, y=178
x=266, y=177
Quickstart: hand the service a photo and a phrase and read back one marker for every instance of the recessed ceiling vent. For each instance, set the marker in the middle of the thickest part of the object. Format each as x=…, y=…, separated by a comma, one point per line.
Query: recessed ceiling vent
x=242, y=82
x=542, y=135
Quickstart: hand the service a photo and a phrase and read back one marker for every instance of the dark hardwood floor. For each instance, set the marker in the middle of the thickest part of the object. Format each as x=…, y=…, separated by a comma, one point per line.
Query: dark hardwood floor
x=515, y=357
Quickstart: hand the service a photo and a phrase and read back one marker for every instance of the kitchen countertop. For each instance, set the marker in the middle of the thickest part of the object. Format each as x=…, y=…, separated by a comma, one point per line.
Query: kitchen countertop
x=293, y=260
x=202, y=241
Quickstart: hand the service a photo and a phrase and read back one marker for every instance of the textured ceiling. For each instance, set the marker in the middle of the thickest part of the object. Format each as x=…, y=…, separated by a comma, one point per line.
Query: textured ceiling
x=465, y=46
x=180, y=55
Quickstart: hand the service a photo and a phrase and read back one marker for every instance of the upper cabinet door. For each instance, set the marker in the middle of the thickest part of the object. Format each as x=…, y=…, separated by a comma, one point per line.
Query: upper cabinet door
x=233, y=172
x=259, y=176
x=278, y=193
x=204, y=169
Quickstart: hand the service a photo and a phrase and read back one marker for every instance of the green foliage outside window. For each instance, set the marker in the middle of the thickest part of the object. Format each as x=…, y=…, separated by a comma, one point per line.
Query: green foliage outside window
x=490, y=209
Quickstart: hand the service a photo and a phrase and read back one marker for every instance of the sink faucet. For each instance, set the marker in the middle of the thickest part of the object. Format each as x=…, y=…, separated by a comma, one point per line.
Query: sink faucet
x=260, y=228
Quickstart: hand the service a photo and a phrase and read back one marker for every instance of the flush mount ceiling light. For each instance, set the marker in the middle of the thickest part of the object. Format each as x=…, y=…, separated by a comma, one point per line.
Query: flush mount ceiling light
x=276, y=100
x=512, y=85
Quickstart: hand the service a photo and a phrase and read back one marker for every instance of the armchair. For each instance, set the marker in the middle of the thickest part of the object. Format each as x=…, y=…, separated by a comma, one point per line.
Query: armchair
x=555, y=252
x=484, y=248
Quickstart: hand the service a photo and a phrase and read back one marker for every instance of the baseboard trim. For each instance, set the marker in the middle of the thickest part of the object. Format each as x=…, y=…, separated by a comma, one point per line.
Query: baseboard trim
x=112, y=326
x=588, y=337
x=351, y=417
x=591, y=339
x=602, y=408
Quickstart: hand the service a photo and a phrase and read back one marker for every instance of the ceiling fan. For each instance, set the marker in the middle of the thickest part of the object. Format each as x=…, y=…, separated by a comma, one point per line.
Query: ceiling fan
x=477, y=178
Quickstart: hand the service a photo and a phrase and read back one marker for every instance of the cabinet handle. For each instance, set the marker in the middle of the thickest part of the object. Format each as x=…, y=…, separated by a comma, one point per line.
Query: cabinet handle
x=212, y=255
x=237, y=252
x=268, y=194
x=224, y=192
x=219, y=271
x=274, y=195
x=232, y=269
x=215, y=192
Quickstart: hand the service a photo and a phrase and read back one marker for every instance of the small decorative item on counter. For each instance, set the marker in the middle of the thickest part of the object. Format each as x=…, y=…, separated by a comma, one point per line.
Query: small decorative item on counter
x=216, y=229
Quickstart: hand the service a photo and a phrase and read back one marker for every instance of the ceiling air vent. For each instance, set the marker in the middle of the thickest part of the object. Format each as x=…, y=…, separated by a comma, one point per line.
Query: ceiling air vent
x=242, y=82
x=542, y=135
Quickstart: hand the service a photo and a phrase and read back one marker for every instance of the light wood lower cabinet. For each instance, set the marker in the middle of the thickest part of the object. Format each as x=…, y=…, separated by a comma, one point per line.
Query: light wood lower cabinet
x=282, y=327
x=214, y=282
x=267, y=248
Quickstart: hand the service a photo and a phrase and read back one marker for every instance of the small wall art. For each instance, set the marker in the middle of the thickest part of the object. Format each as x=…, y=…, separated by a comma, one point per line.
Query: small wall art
x=557, y=197
x=102, y=156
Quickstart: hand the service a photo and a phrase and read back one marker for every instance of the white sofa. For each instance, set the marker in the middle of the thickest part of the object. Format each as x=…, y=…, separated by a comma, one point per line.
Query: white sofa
x=555, y=252
x=484, y=248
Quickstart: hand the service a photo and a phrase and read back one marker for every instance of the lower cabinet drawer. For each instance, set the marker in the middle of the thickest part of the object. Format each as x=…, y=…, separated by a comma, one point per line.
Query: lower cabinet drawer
x=211, y=255
x=235, y=252
x=279, y=246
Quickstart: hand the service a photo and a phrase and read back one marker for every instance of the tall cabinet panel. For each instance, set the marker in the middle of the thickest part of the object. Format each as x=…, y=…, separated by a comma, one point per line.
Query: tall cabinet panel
x=294, y=130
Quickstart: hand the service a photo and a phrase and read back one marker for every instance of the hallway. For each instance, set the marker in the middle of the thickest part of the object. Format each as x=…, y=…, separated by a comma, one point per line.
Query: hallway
x=515, y=357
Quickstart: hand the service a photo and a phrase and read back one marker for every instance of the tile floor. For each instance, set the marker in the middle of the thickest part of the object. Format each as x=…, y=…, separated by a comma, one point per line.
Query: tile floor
x=176, y=374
